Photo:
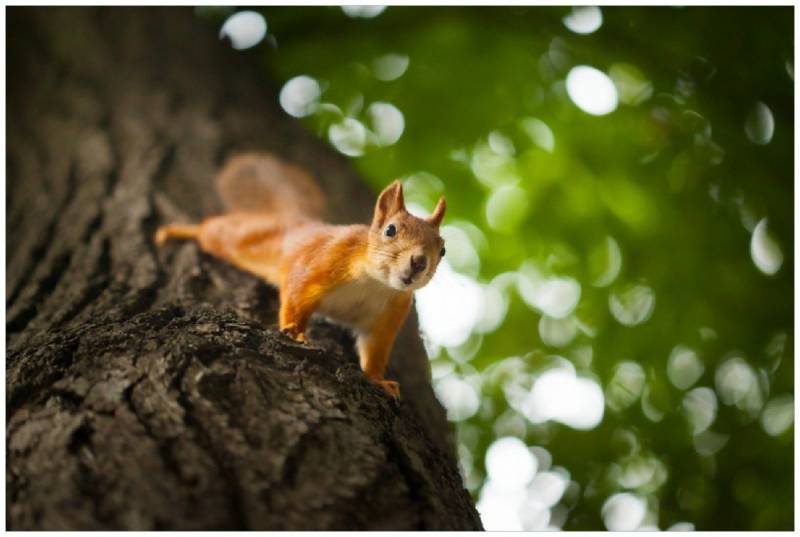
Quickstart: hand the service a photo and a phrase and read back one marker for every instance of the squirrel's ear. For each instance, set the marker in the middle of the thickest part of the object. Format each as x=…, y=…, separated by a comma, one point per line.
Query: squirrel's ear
x=390, y=201
x=438, y=213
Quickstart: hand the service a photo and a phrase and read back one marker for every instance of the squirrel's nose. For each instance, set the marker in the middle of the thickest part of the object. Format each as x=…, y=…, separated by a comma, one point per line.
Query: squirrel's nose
x=418, y=263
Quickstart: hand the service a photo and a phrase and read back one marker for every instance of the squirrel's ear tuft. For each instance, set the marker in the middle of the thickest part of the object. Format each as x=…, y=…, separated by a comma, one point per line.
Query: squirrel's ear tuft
x=389, y=202
x=438, y=213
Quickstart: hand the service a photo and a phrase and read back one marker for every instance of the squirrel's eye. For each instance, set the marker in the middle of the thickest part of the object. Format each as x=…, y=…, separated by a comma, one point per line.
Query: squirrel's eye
x=391, y=231
x=441, y=254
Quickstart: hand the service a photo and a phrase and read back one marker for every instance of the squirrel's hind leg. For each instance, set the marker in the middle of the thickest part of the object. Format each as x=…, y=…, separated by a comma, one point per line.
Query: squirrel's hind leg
x=176, y=231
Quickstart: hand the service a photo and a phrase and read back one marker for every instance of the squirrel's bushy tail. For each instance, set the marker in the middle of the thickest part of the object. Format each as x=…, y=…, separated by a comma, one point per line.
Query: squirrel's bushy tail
x=260, y=182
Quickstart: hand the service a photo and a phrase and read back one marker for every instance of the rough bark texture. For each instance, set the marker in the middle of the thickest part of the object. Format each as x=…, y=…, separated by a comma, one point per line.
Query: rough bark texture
x=150, y=389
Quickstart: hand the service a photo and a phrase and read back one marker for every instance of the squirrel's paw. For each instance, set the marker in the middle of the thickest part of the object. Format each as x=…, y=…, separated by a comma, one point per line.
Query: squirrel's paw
x=391, y=387
x=294, y=332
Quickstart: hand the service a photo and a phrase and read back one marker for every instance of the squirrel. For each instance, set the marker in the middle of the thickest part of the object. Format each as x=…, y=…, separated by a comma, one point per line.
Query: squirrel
x=361, y=276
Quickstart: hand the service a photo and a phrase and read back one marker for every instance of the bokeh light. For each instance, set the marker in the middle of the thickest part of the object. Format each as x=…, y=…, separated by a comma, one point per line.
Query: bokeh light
x=539, y=133
x=449, y=307
x=458, y=397
x=299, y=97
x=363, y=12
x=625, y=386
x=557, y=332
x=387, y=122
x=700, y=406
x=765, y=250
x=591, y=90
x=584, y=19
x=560, y=395
x=606, y=262
x=555, y=296
x=737, y=384
x=509, y=463
x=632, y=304
x=760, y=125
x=522, y=491
x=778, y=415
x=624, y=512
x=245, y=29
x=348, y=136
x=390, y=66
x=684, y=367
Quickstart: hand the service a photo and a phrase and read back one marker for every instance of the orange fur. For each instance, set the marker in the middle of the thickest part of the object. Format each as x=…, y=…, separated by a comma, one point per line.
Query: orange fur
x=375, y=346
x=362, y=276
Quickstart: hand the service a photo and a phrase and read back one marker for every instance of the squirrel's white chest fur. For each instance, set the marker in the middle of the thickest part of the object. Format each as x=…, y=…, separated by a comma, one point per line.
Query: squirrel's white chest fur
x=356, y=304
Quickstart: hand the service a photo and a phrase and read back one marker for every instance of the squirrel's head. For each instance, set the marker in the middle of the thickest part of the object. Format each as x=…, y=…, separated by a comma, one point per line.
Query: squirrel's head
x=403, y=250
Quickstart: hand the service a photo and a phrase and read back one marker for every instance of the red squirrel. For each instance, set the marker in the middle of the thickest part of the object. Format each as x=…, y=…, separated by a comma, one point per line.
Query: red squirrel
x=362, y=276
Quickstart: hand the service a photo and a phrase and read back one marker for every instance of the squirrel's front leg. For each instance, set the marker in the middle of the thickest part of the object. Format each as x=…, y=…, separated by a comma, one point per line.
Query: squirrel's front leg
x=375, y=346
x=374, y=357
x=298, y=303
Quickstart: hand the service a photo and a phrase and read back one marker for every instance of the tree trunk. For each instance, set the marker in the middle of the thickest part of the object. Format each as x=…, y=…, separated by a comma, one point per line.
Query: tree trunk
x=151, y=389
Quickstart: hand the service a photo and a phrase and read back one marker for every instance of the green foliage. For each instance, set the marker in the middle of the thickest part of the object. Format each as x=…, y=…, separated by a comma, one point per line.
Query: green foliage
x=651, y=209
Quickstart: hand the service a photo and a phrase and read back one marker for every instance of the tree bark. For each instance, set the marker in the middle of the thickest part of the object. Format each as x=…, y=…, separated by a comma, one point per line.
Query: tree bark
x=150, y=389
